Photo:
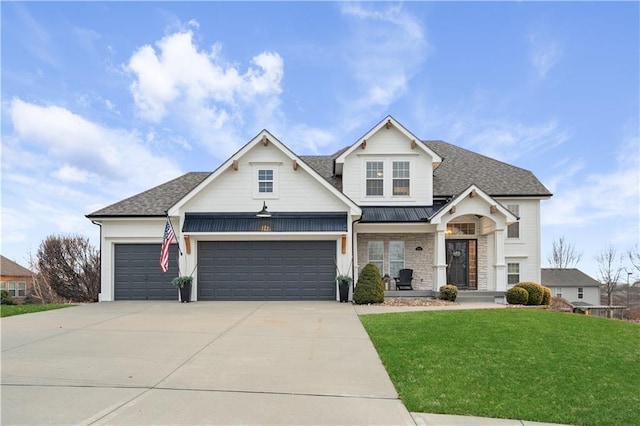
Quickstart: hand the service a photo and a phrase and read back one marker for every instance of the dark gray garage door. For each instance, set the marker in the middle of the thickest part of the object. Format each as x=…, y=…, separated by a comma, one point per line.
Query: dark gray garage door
x=266, y=270
x=138, y=276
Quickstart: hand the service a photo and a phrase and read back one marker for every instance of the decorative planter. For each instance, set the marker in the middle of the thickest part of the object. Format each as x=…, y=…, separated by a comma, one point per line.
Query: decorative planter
x=185, y=293
x=344, y=290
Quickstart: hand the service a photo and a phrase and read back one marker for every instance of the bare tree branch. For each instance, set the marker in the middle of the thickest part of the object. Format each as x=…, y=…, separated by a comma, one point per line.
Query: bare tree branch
x=609, y=270
x=563, y=254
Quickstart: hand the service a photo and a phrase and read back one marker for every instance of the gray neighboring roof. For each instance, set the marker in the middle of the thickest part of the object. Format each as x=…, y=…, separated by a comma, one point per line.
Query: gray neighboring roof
x=278, y=222
x=461, y=168
x=569, y=277
x=155, y=201
x=9, y=267
x=323, y=165
x=387, y=214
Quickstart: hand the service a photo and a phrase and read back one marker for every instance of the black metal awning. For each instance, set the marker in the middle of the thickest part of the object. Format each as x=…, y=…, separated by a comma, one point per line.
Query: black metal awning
x=278, y=222
x=396, y=214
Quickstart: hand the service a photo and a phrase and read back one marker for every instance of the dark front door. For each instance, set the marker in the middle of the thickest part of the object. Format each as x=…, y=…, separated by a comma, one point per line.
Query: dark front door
x=461, y=263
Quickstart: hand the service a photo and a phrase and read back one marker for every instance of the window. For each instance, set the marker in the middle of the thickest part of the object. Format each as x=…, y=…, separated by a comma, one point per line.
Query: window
x=376, y=254
x=513, y=273
x=375, y=178
x=558, y=291
x=401, y=178
x=265, y=181
x=15, y=289
x=513, y=230
x=396, y=257
x=461, y=229
x=580, y=292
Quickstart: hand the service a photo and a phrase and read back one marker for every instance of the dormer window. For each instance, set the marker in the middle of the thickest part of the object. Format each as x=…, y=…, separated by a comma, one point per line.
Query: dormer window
x=375, y=178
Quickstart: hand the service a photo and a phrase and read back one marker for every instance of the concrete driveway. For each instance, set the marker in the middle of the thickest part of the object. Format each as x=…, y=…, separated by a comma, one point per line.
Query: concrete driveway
x=196, y=363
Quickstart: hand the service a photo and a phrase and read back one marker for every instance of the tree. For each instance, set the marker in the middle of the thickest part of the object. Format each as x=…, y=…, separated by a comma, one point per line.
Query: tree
x=609, y=270
x=71, y=267
x=634, y=258
x=563, y=254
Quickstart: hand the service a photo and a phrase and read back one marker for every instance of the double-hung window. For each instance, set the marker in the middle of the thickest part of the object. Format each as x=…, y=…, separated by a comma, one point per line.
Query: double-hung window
x=513, y=230
x=401, y=177
x=375, y=178
x=558, y=291
x=513, y=273
x=376, y=254
x=396, y=257
x=265, y=181
x=580, y=292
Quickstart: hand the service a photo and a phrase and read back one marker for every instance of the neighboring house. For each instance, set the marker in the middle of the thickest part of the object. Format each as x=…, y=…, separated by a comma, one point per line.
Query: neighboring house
x=572, y=284
x=16, y=279
x=451, y=215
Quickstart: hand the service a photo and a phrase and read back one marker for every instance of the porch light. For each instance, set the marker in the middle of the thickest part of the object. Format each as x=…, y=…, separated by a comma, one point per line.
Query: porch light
x=263, y=212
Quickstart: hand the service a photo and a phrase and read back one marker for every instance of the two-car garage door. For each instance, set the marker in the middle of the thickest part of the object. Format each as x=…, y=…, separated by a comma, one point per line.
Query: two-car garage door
x=232, y=270
x=266, y=270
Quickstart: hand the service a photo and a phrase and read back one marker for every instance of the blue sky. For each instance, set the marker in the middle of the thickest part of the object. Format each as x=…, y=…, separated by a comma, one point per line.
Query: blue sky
x=103, y=100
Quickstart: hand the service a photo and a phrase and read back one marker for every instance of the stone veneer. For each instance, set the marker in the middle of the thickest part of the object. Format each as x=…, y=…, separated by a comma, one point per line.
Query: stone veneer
x=420, y=261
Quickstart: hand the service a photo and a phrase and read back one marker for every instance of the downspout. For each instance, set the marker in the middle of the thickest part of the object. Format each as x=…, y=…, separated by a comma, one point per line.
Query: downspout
x=100, y=226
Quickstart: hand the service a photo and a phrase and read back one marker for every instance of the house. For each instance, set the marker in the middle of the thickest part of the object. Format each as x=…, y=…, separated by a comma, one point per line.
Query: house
x=268, y=224
x=15, y=278
x=572, y=284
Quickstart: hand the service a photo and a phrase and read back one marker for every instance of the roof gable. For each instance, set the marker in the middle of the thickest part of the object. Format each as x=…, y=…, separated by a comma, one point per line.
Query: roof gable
x=9, y=267
x=265, y=138
x=472, y=192
x=387, y=123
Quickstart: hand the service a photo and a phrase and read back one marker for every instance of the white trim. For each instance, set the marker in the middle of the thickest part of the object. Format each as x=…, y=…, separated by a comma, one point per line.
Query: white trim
x=438, y=217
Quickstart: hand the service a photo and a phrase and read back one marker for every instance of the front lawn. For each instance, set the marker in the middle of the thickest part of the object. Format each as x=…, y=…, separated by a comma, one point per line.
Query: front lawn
x=536, y=365
x=9, y=310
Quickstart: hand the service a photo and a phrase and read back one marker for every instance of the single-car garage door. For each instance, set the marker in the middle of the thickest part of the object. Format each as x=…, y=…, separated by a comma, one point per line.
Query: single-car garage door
x=266, y=270
x=137, y=274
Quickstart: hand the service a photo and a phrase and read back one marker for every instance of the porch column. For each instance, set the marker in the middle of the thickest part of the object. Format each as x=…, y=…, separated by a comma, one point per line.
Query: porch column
x=440, y=261
x=499, y=267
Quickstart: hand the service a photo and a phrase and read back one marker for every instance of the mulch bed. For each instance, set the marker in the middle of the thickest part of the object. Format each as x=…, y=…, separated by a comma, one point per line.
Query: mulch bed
x=414, y=301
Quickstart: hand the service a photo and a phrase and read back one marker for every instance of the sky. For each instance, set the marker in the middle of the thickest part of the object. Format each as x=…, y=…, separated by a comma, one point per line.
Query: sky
x=101, y=101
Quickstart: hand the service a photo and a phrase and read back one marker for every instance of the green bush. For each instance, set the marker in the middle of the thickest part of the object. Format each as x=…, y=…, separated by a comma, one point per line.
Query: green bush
x=369, y=288
x=536, y=292
x=5, y=299
x=546, y=296
x=517, y=296
x=448, y=292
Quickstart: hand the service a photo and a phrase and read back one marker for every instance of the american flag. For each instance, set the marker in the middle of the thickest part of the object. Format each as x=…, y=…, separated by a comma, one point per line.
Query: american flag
x=166, y=242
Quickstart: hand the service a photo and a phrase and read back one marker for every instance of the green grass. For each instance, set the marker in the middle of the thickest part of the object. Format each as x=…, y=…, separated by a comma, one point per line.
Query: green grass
x=9, y=310
x=535, y=365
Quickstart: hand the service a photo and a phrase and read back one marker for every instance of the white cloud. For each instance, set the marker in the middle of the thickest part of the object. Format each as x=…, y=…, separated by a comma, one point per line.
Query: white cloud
x=386, y=49
x=179, y=81
x=543, y=54
x=114, y=156
x=71, y=174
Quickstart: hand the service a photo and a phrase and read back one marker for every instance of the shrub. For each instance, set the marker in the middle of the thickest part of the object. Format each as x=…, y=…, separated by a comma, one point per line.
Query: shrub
x=546, y=296
x=31, y=299
x=517, y=296
x=536, y=292
x=369, y=288
x=5, y=299
x=448, y=292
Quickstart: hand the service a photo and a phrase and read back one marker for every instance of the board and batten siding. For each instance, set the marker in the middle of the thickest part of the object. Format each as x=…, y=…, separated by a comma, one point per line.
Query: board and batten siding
x=235, y=190
x=526, y=249
x=389, y=145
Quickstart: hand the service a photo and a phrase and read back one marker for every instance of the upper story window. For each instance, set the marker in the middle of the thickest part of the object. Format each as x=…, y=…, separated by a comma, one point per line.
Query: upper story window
x=401, y=175
x=265, y=181
x=513, y=230
x=580, y=292
x=375, y=178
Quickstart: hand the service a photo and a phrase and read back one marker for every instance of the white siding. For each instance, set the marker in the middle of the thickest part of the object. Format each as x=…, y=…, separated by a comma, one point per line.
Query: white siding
x=233, y=190
x=389, y=145
x=526, y=249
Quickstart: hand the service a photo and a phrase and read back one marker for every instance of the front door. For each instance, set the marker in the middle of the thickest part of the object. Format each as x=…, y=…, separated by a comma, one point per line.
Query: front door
x=461, y=263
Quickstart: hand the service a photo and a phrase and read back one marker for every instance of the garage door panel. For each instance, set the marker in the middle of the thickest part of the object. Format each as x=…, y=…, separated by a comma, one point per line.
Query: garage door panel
x=266, y=270
x=137, y=274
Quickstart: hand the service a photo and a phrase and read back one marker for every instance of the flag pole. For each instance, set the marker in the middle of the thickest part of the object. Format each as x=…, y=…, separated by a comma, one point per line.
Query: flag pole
x=166, y=212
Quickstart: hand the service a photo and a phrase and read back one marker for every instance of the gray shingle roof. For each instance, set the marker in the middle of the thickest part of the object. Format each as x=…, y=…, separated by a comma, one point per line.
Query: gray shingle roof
x=569, y=277
x=459, y=169
x=155, y=201
x=9, y=267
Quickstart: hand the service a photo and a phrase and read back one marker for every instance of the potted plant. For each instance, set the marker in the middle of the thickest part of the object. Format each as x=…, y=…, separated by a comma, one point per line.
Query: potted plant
x=184, y=284
x=343, y=286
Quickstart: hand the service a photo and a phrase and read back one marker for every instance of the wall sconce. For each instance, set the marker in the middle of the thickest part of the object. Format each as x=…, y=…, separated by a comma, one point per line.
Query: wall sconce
x=418, y=248
x=263, y=212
